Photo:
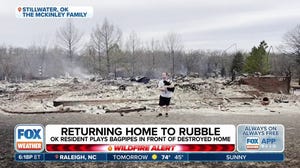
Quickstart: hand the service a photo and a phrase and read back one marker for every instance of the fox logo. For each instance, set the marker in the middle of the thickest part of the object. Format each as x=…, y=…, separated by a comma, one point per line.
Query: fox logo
x=252, y=143
x=29, y=138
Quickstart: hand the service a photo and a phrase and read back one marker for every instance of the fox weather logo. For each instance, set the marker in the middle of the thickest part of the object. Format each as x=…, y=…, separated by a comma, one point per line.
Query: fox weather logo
x=29, y=138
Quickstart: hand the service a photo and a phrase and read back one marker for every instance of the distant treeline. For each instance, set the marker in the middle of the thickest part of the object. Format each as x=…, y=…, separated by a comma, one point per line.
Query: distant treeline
x=108, y=54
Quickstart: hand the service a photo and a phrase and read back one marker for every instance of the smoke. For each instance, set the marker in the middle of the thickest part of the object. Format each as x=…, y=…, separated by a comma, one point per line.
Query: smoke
x=74, y=69
x=78, y=72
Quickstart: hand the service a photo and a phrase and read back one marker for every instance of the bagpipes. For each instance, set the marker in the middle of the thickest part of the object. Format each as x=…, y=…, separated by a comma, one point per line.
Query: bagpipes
x=167, y=83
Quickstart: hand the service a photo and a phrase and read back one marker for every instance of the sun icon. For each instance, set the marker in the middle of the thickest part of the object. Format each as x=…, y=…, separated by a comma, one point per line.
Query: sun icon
x=154, y=156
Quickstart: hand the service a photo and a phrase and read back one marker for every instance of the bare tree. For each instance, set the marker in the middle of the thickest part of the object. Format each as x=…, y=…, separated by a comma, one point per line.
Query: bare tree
x=111, y=36
x=292, y=45
x=97, y=41
x=3, y=62
x=173, y=44
x=191, y=60
x=90, y=59
x=282, y=64
x=69, y=38
x=117, y=59
x=133, y=44
x=155, y=47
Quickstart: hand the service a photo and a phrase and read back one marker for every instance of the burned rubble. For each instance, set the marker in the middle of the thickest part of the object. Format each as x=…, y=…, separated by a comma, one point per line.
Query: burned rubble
x=100, y=96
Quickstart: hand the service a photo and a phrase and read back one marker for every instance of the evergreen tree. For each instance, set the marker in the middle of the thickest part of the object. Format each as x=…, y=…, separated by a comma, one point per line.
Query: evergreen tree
x=258, y=60
x=237, y=63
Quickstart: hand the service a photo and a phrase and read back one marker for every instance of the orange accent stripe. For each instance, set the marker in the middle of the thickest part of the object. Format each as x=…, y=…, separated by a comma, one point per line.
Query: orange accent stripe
x=29, y=145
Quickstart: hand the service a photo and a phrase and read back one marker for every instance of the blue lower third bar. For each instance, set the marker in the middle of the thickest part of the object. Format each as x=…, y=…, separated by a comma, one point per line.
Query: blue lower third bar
x=29, y=157
x=75, y=157
x=144, y=157
x=237, y=157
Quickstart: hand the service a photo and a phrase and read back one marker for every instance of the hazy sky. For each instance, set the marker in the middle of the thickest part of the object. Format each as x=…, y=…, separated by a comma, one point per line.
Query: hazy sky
x=202, y=24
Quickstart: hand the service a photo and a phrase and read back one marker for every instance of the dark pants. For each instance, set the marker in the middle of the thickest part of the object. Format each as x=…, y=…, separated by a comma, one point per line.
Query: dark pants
x=164, y=101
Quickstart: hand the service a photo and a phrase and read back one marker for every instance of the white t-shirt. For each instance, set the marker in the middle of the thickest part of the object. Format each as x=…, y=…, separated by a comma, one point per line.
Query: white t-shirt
x=165, y=93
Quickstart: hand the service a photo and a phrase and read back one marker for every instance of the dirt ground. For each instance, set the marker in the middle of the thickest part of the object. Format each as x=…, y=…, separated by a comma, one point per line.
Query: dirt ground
x=37, y=96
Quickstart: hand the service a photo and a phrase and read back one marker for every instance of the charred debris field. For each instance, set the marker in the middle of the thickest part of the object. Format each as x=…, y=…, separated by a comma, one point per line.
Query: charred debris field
x=121, y=101
x=123, y=96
